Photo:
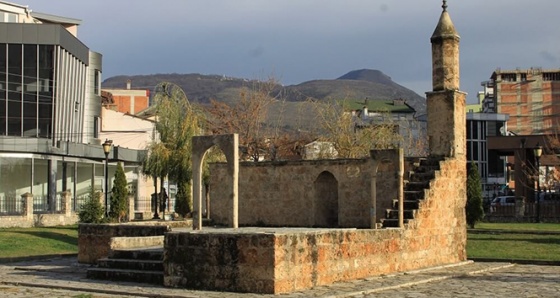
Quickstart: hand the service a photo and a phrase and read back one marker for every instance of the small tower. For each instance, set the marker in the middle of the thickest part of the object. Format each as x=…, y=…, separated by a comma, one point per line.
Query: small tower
x=446, y=104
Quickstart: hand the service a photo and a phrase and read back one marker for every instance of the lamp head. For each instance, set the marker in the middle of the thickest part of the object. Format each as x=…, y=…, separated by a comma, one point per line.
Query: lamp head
x=107, y=146
x=538, y=150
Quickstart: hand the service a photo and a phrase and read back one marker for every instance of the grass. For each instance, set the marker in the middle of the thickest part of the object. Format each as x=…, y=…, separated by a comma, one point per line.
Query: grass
x=522, y=246
x=551, y=227
x=25, y=242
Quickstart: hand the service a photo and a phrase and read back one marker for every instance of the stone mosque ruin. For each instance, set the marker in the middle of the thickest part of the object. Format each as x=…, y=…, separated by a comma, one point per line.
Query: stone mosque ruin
x=315, y=222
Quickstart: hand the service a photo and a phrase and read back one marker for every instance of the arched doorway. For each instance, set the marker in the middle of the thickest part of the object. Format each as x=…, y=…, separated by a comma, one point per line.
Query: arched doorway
x=326, y=201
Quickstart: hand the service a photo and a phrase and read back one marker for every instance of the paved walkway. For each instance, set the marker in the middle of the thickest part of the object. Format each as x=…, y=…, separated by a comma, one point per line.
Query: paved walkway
x=63, y=277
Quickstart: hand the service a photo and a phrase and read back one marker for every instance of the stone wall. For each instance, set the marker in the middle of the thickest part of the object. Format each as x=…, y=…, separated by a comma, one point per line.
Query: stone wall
x=295, y=193
x=276, y=260
x=94, y=240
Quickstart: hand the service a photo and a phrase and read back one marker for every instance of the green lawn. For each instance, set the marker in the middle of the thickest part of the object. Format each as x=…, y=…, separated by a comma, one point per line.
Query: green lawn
x=553, y=227
x=23, y=242
x=527, y=244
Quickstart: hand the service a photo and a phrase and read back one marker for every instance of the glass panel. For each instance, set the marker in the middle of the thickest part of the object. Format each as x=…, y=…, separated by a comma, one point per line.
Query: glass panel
x=3, y=86
x=14, y=89
x=15, y=176
x=83, y=180
x=45, y=85
x=41, y=186
x=30, y=84
x=15, y=180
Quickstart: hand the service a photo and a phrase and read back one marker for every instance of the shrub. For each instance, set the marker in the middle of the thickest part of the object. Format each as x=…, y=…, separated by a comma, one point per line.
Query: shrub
x=119, y=196
x=92, y=210
x=183, y=201
x=475, y=211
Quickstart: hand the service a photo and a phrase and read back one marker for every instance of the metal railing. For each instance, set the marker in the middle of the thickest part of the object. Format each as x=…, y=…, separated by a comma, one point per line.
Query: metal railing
x=11, y=205
x=548, y=211
x=45, y=204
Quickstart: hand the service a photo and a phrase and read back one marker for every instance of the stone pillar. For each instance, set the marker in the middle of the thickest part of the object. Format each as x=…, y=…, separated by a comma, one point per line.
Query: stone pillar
x=27, y=199
x=66, y=197
x=131, y=206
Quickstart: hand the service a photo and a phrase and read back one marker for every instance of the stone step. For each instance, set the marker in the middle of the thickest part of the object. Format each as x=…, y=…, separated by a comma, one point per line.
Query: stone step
x=392, y=223
x=431, y=161
x=407, y=204
x=421, y=176
x=394, y=214
x=140, y=276
x=155, y=253
x=417, y=185
x=413, y=195
x=131, y=264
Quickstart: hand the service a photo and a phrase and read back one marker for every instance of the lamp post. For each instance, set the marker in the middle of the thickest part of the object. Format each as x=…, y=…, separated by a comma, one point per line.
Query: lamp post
x=537, y=151
x=106, y=150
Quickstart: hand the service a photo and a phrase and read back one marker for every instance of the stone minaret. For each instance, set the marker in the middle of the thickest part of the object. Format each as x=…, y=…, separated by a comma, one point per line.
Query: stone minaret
x=446, y=104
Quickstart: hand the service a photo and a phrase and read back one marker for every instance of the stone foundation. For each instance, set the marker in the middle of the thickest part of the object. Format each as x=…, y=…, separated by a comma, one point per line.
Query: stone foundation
x=95, y=240
x=276, y=260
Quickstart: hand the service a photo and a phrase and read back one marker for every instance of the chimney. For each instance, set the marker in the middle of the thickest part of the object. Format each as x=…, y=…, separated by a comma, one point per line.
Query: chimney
x=128, y=82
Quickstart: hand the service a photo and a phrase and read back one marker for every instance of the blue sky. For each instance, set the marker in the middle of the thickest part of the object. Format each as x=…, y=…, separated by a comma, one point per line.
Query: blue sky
x=300, y=40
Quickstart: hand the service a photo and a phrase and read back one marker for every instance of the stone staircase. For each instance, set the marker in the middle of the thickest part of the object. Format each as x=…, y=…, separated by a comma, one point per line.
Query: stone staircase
x=143, y=265
x=418, y=181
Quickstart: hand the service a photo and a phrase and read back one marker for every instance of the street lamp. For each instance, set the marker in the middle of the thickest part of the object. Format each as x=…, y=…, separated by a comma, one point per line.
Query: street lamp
x=106, y=150
x=537, y=151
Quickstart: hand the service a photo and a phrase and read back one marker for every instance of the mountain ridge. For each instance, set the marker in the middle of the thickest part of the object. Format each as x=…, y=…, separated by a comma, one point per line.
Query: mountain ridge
x=356, y=84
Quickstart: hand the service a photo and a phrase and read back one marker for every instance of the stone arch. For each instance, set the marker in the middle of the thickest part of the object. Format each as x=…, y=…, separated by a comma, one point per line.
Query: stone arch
x=229, y=144
x=325, y=202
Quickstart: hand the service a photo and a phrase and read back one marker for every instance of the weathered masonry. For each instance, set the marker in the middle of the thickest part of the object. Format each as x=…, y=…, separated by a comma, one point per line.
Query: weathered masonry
x=333, y=220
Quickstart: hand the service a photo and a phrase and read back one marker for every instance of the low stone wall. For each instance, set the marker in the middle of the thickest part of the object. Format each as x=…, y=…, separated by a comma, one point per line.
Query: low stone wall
x=94, y=240
x=29, y=219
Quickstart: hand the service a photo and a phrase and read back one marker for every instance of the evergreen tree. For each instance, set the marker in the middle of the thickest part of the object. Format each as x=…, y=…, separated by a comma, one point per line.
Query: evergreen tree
x=92, y=210
x=119, y=196
x=475, y=211
x=183, y=201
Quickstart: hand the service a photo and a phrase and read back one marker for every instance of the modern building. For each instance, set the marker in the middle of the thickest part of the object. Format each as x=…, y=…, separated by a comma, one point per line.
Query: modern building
x=531, y=97
x=50, y=113
x=491, y=166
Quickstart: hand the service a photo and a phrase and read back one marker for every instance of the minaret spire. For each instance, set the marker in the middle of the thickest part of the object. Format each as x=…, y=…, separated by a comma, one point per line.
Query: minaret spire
x=444, y=6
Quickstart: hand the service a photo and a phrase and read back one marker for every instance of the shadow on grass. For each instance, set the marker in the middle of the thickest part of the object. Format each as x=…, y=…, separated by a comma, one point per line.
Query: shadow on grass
x=540, y=240
x=72, y=240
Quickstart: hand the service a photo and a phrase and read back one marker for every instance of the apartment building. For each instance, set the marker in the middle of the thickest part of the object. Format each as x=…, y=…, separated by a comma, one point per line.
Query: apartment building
x=531, y=97
x=127, y=100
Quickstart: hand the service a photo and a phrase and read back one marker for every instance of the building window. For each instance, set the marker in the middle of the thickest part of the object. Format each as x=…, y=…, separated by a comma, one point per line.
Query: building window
x=509, y=77
x=96, y=121
x=26, y=83
x=8, y=17
x=523, y=77
x=551, y=76
x=97, y=82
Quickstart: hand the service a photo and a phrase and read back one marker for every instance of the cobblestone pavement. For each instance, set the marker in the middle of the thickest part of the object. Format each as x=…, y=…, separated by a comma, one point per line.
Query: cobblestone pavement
x=63, y=277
